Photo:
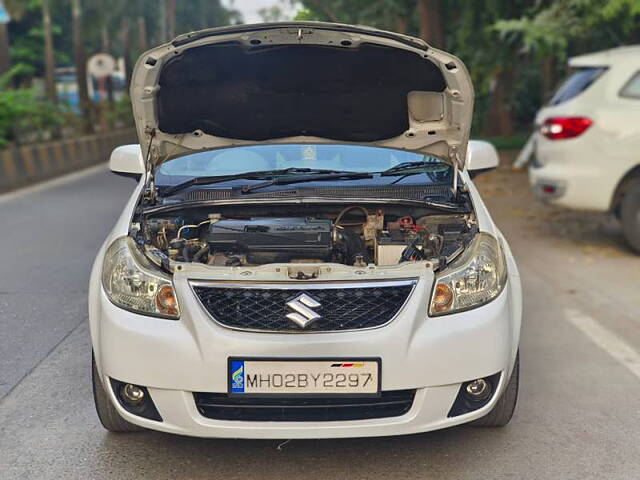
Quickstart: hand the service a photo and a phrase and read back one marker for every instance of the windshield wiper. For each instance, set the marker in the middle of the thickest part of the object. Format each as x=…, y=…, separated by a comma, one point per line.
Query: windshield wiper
x=258, y=175
x=409, y=168
x=307, y=178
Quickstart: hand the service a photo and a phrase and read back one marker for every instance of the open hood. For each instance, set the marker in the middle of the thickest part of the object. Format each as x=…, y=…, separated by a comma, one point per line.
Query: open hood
x=301, y=82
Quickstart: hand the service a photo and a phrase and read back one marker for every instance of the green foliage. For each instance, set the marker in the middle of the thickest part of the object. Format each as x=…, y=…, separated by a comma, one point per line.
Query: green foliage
x=274, y=13
x=384, y=14
x=102, y=20
x=23, y=114
x=121, y=114
x=516, y=47
x=552, y=29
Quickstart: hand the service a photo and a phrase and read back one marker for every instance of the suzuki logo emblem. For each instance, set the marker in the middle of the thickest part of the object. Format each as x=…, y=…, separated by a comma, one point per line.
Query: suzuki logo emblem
x=302, y=314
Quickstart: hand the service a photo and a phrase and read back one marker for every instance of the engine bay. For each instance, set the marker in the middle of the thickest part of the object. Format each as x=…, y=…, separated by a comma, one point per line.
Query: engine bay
x=356, y=235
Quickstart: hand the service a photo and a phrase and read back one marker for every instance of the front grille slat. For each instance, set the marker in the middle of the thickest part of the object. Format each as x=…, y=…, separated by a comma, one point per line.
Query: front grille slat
x=220, y=406
x=265, y=309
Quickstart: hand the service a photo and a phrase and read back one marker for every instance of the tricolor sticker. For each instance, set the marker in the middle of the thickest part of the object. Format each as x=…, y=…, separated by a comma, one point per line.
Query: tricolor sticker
x=348, y=365
x=237, y=376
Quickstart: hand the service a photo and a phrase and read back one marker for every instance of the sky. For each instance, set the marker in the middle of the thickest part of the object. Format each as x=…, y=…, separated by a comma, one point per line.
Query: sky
x=249, y=8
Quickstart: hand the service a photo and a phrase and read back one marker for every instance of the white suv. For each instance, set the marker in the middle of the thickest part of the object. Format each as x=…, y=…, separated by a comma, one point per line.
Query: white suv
x=586, y=150
x=305, y=254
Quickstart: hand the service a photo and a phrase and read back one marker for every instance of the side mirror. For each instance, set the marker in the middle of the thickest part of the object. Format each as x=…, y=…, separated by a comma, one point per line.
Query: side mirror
x=127, y=161
x=481, y=157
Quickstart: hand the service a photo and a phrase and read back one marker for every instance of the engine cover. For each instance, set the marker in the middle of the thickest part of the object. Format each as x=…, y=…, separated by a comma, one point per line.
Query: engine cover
x=273, y=239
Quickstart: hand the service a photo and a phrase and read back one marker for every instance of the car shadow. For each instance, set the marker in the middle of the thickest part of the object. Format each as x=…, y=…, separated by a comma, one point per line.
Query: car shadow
x=443, y=451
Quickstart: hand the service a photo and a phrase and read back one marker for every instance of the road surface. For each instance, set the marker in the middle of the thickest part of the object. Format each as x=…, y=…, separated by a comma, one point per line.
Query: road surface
x=579, y=411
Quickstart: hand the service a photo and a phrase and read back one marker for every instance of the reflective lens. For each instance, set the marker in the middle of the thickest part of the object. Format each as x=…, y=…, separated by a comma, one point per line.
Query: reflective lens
x=133, y=283
x=471, y=281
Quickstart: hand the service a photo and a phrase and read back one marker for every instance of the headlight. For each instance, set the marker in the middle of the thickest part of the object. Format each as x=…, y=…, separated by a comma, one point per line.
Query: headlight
x=133, y=283
x=474, y=279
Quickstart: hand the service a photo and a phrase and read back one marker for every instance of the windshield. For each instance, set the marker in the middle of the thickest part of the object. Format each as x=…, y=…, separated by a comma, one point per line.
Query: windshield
x=256, y=158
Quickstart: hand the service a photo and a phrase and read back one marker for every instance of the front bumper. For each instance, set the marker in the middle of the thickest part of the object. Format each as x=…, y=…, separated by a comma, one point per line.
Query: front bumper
x=173, y=359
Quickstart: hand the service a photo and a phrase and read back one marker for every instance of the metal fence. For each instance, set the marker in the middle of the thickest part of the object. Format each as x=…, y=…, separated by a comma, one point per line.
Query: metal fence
x=28, y=164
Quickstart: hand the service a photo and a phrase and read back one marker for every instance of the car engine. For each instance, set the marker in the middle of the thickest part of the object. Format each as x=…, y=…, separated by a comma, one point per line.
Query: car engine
x=356, y=235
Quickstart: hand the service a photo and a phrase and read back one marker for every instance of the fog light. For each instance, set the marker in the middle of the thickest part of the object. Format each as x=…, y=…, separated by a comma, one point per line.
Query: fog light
x=478, y=390
x=135, y=399
x=132, y=394
x=474, y=394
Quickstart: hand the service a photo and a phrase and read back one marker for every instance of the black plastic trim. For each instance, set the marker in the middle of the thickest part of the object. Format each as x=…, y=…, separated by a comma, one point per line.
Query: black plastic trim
x=147, y=409
x=462, y=404
x=220, y=406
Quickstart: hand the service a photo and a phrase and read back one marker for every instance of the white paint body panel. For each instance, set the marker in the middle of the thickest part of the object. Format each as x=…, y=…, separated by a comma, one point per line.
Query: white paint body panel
x=433, y=355
x=590, y=167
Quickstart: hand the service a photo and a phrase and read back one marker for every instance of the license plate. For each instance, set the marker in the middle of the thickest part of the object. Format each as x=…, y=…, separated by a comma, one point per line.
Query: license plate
x=304, y=376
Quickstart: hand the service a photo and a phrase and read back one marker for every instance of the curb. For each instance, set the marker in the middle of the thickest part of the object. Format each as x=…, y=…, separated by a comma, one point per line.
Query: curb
x=28, y=164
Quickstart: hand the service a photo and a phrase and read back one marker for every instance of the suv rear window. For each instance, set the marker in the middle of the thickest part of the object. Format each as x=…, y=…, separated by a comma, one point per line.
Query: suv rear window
x=632, y=87
x=578, y=81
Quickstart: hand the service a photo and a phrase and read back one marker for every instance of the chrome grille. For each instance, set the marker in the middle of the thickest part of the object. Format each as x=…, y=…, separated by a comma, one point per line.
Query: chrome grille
x=341, y=307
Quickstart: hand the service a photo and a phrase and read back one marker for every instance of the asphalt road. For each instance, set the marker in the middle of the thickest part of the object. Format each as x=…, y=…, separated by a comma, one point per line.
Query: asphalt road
x=579, y=411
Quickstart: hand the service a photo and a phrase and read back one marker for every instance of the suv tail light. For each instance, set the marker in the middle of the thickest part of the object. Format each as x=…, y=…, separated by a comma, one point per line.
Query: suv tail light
x=559, y=128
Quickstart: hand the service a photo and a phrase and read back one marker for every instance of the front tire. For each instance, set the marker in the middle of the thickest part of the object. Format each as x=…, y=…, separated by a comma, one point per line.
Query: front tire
x=107, y=413
x=502, y=412
x=630, y=215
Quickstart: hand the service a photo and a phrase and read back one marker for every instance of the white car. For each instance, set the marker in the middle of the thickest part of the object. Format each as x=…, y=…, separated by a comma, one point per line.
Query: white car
x=305, y=254
x=586, y=150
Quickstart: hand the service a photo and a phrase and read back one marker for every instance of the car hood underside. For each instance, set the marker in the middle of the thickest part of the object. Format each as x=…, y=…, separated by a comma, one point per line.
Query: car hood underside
x=297, y=83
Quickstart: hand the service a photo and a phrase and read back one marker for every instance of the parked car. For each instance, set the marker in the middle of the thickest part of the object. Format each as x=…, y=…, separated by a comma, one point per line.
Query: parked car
x=305, y=254
x=586, y=148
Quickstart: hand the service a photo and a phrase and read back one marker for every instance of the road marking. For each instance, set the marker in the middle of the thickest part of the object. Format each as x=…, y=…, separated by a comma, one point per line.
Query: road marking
x=56, y=182
x=606, y=340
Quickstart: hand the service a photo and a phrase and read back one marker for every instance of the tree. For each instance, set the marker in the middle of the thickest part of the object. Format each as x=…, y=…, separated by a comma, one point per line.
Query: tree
x=431, y=23
x=126, y=47
x=170, y=18
x=142, y=34
x=5, y=54
x=50, y=65
x=548, y=33
x=14, y=8
x=81, y=66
